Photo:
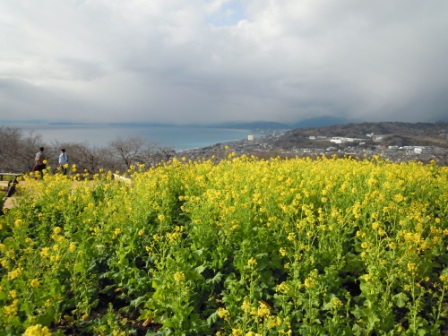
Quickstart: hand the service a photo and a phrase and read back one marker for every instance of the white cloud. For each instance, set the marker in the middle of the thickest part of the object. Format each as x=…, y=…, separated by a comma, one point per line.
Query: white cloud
x=218, y=60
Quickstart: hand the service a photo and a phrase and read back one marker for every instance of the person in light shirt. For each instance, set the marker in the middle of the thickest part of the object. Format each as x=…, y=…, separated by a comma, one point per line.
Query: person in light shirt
x=63, y=161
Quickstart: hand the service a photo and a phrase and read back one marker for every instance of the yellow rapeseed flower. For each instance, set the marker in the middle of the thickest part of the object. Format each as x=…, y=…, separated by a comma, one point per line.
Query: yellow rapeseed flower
x=35, y=283
x=412, y=268
x=309, y=283
x=11, y=310
x=282, y=252
x=12, y=294
x=72, y=247
x=223, y=313
x=336, y=303
x=45, y=252
x=179, y=277
x=283, y=288
x=246, y=305
x=37, y=330
x=252, y=262
x=15, y=273
x=251, y=333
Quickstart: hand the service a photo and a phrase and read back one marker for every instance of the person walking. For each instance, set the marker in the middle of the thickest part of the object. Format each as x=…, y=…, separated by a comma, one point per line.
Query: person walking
x=40, y=162
x=63, y=161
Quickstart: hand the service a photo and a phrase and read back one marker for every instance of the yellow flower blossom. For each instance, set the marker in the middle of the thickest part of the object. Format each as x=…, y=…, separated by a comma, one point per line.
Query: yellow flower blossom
x=336, y=303
x=179, y=277
x=12, y=294
x=251, y=333
x=72, y=247
x=11, y=310
x=223, y=313
x=246, y=305
x=309, y=283
x=252, y=262
x=45, y=252
x=37, y=330
x=35, y=283
x=14, y=274
x=283, y=288
x=412, y=268
x=291, y=236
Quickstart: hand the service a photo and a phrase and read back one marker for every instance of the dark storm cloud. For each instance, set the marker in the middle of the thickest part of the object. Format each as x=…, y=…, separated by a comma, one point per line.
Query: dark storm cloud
x=206, y=61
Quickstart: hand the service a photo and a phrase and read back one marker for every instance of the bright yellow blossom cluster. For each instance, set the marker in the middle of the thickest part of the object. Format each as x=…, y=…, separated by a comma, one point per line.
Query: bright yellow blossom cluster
x=37, y=330
x=319, y=239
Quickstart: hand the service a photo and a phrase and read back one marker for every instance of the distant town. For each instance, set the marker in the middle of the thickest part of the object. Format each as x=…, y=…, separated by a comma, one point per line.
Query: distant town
x=401, y=145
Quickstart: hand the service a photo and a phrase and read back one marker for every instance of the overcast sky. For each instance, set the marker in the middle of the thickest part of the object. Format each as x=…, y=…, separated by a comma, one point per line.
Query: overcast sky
x=207, y=61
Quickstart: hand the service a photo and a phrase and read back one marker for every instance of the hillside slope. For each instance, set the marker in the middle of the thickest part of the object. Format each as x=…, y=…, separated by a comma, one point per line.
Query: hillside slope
x=391, y=134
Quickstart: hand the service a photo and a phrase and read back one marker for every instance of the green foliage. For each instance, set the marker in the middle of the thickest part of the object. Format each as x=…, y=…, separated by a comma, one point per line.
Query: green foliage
x=242, y=247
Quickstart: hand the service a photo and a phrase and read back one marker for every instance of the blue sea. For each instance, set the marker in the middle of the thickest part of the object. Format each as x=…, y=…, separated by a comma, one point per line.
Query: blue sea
x=176, y=137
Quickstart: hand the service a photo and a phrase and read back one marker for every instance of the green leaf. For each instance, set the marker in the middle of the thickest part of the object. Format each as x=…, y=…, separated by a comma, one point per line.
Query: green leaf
x=137, y=301
x=421, y=332
x=400, y=299
x=212, y=318
x=198, y=252
x=200, y=269
x=216, y=279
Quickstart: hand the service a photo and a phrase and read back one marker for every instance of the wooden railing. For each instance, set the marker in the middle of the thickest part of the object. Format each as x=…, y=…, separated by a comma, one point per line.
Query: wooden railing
x=2, y=175
x=10, y=185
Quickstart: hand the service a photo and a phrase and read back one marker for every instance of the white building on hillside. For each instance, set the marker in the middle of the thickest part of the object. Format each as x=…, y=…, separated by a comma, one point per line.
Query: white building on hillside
x=341, y=140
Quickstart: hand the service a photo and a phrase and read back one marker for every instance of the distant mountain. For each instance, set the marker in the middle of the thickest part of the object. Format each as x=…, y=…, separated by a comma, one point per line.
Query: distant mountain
x=251, y=125
x=319, y=122
x=270, y=125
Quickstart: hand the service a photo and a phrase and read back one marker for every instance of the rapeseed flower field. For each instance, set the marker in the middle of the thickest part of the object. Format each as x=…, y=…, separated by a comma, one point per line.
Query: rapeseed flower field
x=237, y=247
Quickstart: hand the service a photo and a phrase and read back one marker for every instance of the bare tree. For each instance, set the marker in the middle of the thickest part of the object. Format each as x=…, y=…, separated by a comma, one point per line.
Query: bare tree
x=126, y=152
x=17, y=150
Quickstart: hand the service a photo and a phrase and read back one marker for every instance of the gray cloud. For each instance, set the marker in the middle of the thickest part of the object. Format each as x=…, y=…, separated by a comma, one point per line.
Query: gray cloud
x=220, y=60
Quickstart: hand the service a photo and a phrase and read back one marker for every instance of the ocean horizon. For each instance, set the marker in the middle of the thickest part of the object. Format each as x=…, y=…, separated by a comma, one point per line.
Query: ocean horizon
x=178, y=138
